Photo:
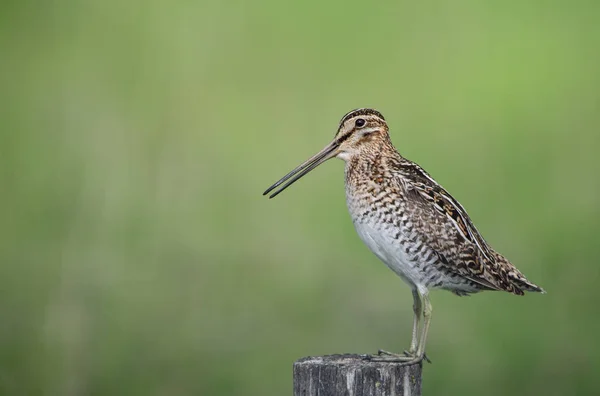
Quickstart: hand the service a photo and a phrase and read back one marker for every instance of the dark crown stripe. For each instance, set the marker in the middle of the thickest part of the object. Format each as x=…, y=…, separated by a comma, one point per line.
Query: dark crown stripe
x=361, y=112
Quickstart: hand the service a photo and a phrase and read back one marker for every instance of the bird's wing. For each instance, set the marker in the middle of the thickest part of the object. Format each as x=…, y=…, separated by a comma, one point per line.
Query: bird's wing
x=459, y=245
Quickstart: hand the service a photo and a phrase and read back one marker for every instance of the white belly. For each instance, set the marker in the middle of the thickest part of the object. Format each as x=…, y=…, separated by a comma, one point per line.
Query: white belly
x=380, y=238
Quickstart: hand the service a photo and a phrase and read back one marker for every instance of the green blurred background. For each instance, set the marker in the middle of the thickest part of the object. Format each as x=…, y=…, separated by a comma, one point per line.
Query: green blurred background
x=138, y=256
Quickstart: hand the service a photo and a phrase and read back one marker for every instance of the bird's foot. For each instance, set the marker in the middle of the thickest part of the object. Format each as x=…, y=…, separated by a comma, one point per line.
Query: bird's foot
x=406, y=358
x=409, y=353
x=383, y=352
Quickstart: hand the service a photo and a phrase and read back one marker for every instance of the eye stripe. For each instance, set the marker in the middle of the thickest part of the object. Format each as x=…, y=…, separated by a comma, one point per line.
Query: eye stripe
x=344, y=137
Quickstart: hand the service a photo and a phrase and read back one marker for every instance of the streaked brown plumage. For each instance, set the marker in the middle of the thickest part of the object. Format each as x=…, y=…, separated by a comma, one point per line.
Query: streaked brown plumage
x=410, y=222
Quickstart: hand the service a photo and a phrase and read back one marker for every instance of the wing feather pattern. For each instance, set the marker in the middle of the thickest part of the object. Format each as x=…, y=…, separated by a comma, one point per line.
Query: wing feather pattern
x=457, y=242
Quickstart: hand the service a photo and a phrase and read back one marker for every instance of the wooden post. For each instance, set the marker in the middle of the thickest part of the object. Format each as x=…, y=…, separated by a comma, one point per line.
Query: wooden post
x=353, y=375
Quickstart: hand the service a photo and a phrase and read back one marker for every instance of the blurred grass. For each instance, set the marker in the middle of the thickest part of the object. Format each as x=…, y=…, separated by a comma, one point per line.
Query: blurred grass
x=138, y=256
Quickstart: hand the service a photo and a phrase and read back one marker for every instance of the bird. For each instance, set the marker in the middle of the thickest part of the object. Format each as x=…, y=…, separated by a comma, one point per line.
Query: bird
x=411, y=223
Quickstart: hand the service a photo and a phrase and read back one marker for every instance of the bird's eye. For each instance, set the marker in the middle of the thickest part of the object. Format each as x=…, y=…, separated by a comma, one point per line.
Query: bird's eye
x=360, y=122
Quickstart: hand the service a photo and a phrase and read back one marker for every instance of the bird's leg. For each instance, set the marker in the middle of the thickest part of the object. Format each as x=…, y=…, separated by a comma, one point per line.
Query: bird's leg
x=413, y=351
x=418, y=353
x=411, y=354
x=427, y=310
x=417, y=309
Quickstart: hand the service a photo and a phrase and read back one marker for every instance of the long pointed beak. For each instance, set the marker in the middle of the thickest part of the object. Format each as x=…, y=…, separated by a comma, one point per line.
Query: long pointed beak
x=328, y=152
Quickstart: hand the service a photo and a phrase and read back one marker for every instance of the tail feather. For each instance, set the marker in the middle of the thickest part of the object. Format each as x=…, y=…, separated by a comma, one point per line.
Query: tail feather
x=525, y=285
x=516, y=278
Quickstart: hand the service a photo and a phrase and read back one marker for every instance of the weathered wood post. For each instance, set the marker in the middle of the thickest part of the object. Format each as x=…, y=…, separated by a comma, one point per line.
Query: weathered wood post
x=353, y=375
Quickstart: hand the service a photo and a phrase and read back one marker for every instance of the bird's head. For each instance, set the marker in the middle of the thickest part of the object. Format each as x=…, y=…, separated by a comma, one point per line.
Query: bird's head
x=360, y=131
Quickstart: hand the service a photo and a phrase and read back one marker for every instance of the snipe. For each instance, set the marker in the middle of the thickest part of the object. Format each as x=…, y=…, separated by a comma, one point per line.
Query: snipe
x=410, y=222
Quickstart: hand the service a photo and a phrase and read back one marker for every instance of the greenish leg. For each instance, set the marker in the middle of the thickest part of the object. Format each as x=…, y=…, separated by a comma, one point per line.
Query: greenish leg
x=427, y=310
x=411, y=354
x=417, y=309
x=416, y=353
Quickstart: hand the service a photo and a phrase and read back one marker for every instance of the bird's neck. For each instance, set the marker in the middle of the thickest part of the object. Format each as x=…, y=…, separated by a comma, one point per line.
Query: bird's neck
x=371, y=163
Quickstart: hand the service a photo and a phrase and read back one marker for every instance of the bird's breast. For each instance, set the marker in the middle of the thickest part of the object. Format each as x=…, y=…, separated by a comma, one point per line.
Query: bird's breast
x=384, y=225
